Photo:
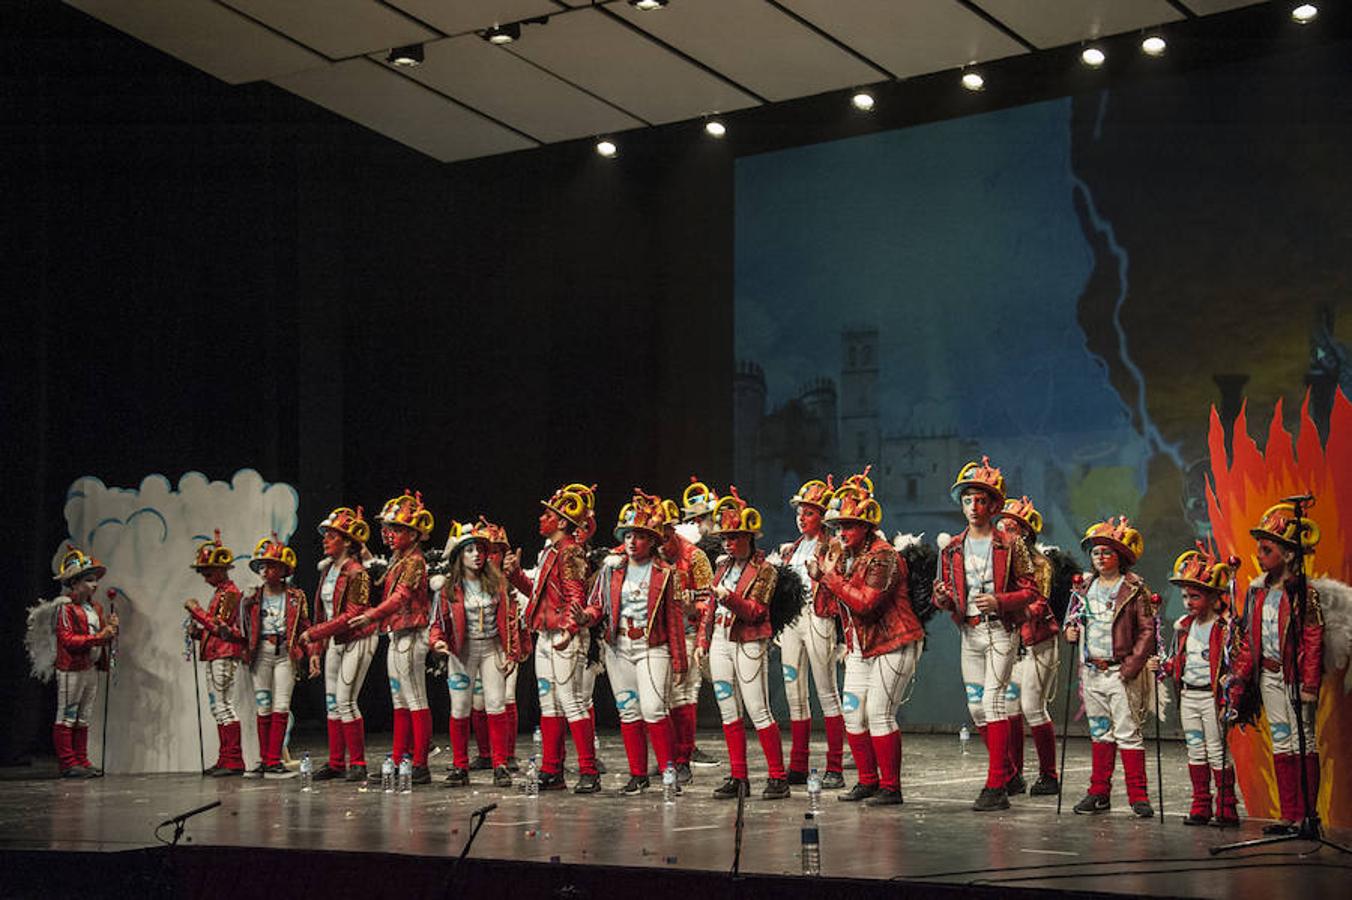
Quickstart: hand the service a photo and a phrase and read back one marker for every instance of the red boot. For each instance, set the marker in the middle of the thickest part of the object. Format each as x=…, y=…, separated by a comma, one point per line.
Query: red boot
x=683, y=726
x=1227, y=806
x=1311, y=776
x=1133, y=773
x=1100, y=779
x=478, y=720
x=1044, y=739
x=232, y=754
x=354, y=736
x=735, y=736
x=420, y=723
x=635, y=748
x=865, y=761
x=1200, y=813
x=551, y=745
x=835, y=743
x=79, y=744
x=1287, y=769
x=264, y=726
x=499, y=731
x=997, y=753
x=1015, y=746
x=773, y=748
x=887, y=750
x=403, y=730
x=459, y=734
x=800, y=731
x=584, y=741
x=65, y=752
x=337, y=745
x=663, y=738
x=511, y=730
x=276, y=738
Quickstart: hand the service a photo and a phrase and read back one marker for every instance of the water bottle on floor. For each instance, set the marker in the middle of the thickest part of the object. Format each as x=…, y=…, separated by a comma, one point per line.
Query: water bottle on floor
x=387, y=774
x=669, y=784
x=964, y=737
x=538, y=739
x=814, y=792
x=532, y=778
x=812, y=849
x=406, y=774
x=307, y=771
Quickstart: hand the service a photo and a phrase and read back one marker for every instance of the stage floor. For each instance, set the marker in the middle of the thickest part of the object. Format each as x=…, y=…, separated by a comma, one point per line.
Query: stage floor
x=934, y=837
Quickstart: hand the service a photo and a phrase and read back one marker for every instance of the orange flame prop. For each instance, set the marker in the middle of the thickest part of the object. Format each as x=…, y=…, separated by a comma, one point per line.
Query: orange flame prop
x=1239, y=493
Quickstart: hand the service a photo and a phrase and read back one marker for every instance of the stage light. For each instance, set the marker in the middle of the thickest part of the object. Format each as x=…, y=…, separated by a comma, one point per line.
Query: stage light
x=715, y=128
x=406, y=57
x=1093, y=57
x=863, y=101
x=647, y=5
x=1305, y=13
x=607, y=149
x=1153, y=45
x=502, y=34
x=973, y=81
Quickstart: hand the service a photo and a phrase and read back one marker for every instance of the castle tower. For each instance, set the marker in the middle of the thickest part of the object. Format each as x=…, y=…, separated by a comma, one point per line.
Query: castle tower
x=748, y=411
x=859, y=425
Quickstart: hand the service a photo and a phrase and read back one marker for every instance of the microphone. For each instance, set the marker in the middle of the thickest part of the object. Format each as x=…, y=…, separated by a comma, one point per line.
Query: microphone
x=183, y=817
x=1302, y=498
x=484, y=810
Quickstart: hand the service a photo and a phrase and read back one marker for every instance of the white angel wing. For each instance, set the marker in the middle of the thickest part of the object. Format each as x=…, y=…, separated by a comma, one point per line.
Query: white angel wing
x=1335, y=601
x=906, y=539
x=40, y=637
x=689, y=531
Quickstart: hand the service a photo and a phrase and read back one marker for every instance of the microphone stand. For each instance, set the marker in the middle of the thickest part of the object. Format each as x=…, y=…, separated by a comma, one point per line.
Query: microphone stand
x=737, y=833
x=476, y=821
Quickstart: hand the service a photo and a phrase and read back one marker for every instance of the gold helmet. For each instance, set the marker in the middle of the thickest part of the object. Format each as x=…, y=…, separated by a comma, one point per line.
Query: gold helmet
x=733, y=515
x=271, y=549
x=980, y=475
x=1279, y=524
x=407, y=510
x=214, y=554
x=75, y=564
x=348, y=522
x=1117, y=534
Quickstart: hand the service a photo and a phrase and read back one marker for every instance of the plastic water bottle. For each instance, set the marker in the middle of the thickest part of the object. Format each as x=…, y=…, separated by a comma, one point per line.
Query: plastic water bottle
x=307, y=770
x=406, y=774
x=669, y=784
x=812, y=848
x=964, y=737
x=538, y=739
x=533, y=777
x=387, y=774
x=814, y=792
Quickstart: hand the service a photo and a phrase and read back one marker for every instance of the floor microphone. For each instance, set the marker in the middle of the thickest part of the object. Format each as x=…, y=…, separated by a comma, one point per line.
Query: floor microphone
x=484, y=810
x=183, y=817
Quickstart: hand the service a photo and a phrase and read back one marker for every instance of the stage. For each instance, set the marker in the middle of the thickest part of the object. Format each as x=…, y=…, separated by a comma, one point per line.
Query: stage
x=98, y=837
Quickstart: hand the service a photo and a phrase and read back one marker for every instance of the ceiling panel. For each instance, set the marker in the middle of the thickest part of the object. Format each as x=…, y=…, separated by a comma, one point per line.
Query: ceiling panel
x=457, y=16
x=512, y=90
x=204, y=34
x=1207, y=7
x=755, y=45
x=592, y=50
x=909, y=37
x=1052, y=23
x=372, y=95
x=337, y=28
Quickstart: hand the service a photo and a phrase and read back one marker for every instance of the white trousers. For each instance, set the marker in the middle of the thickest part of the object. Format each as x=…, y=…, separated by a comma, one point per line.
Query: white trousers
x=1281, y=715
x=1201, y=727
x=221, y=690
x=508, y=690
x=988, y=656
x=482, y=657
x=874, y=688
x=560, y=675
x=741, y=676
x=1112, y=713
x=274, y=678
x=406, y=662
x=345, y=668
x=687, y=691
x=75, y=693
x=639, y=678
x=809, y=641
x=1034, y=679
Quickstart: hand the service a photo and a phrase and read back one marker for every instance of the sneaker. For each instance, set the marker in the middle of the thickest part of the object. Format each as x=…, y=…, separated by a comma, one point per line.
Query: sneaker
x=1143, y=810
x=731, y=787
x=797, y=777
x=327, y=772
x=833, y=781
x=1191, y=819
x=278, y=771
x=552, y=781
x=513, y=765
x=80, y=772
x=1219, y=822
x=636, y=784
x=355, y=773
x=1045, y=786
x=208, y=772
x=588, y=784
x=885, y=797
x=1092, y=804
x=699, y=758
x=457, y=777
x=1016, y=785
x=93, y=771
x=775, y=789
x=991, y=799
x=422, y=775
x=859, y=792
x=502, y=777
x=256, y=772
x=600, y=766
x=480, y=764
x=224, y=773
x=683, y=774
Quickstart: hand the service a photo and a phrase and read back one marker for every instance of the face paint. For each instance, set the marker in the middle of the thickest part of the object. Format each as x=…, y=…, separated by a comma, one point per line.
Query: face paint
x=738, y=546
x=977, y=507
x=638, y=544
x=1104, y=560
x=809, y=520
x=474, y=556
x=852, y=534
x=334, y=543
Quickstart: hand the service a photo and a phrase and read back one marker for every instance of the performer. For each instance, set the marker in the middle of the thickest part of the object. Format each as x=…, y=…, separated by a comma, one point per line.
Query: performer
x=83, y=634
x=344, y=593
x=475, y=629
x=1196, y=667
x=735, y=635
x=561, y=616
x=694, y=589
x=275, y=615
x=811, y=639
x=697, y=507
x=496, y=537
x=403, y=613
x=222, y=646
x=1035, y=670
x=986, y=583
x=1283, y=656
x=1115, y=615
x=867, y=582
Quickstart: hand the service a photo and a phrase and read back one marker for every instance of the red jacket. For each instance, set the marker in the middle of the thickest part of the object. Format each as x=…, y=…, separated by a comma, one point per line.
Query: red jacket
x=1133, y=623
x=1011, y=572
x=875, y=600
x=449, y=623
x=351, y=597
x=297, y=620
x=1039, y=621
x=75, y=640
x=1248, y=657
x=1174, y=665
x=407, y=602
x=694, y=576
x=219, y=625
x=823, y=602
x=665, y=616
x=748, y=606
x=560, y=588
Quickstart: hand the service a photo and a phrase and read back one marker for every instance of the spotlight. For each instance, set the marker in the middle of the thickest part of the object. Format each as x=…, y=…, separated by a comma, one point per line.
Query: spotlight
x=502, y=34
x=647, y=5
x=1305, y=13
x=1093, y=57
x=715, y=128
x=863, y=101
x=607, y=149
x=1153, y=45
x=973, y=81
x=406, y=57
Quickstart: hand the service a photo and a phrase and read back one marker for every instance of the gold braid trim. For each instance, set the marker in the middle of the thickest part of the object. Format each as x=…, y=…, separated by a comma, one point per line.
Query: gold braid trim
x=701, y=573
x=1042, y=574
x=574, y=562
x=763, y=585
x=881, y=570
